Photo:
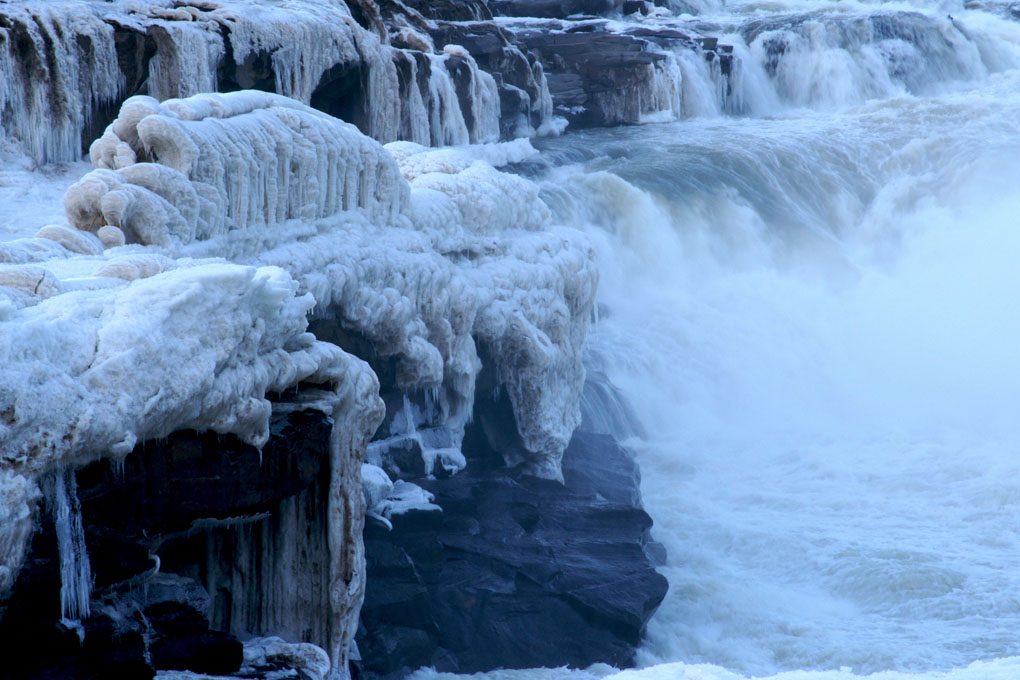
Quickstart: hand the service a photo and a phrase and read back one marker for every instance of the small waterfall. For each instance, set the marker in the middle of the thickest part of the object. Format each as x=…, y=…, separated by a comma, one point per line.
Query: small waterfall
x=814, y=317
x=833, y=61
x=703, y=84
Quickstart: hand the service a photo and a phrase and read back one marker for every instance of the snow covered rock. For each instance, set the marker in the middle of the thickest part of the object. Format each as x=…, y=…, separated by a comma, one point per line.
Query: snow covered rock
x=310, y=660
x=226, y=162
x=216, y=233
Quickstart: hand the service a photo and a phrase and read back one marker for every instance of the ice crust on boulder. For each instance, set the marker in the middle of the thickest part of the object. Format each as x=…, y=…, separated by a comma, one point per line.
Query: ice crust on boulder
x=310, y=660
x=225, y=162
x=247, y=215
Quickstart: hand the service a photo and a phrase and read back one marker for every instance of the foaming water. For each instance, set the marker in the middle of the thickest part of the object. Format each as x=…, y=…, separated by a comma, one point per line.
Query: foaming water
x=1000, y=669
x=835, y=54
x=817, y=318
x=813, y=307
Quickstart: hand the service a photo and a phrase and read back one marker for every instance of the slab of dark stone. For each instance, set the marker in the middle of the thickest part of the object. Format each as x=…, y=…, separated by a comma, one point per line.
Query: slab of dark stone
x=516, y=572
x=131, y=517
x=594, y=75
x=211, y=651
x=553, y=9
x=170, y=484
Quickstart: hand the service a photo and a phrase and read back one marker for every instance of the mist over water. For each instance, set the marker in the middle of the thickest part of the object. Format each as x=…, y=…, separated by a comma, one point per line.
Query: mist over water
x=814, y=309
x=816, y=316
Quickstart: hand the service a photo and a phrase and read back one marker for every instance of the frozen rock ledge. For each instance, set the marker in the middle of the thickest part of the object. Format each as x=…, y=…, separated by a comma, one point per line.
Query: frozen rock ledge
x=213, y=235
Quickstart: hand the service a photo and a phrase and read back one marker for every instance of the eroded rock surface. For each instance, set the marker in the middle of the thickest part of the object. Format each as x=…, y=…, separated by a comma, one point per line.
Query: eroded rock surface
x=514, y=571
x=197, y=542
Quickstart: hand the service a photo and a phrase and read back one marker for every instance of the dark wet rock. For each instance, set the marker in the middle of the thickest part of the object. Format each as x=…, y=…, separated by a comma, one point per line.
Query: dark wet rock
x=596, y=77
x=637, y=7
x=553, y=9
x=516, y=571
x=452, y=10
x=172, y=483
x=187, y=542
x=497, y=51
x=210, y=651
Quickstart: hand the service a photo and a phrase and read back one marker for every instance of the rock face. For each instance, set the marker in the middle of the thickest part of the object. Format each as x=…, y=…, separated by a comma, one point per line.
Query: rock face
x=383, y=65
x=601, y=76
x=196, y=542
x=523, y=90
x=514, y=571
x=68, y=66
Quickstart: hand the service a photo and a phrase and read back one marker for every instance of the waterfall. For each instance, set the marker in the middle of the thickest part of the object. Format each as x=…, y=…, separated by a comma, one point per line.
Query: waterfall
x=813, y=317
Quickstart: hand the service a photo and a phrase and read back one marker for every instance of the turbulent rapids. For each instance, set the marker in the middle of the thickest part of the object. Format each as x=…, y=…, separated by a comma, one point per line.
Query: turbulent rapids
x=808, y=296
x=815, y=315
x=804, y=245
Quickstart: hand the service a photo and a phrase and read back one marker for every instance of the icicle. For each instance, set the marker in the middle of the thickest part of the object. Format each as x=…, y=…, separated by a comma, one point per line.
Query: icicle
x=409, y=418
x=185, y=63
x=56, y=66
x=415, y=114
x=448, y=126
x=75, y=572
x=432, y=412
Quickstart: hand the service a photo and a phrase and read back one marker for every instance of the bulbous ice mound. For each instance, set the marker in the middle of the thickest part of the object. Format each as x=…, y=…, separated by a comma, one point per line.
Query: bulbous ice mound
x=212, y=230
x=188, y=169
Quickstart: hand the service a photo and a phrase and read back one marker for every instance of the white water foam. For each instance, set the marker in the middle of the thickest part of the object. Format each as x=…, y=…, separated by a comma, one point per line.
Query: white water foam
x=816, y=317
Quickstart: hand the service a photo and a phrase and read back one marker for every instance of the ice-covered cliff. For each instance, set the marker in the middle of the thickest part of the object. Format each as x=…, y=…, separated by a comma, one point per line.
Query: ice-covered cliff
x=65, y=67
x=211, y=231
x=432, y=73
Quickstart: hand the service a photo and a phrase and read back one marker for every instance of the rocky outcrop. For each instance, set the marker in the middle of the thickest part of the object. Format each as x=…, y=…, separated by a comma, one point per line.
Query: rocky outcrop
x=196, y=542
x=523, y=90
x=68, y=66
x=429, y=264
x=553, y=9
x=507, y=570
x=600, y=75
x=394, y=69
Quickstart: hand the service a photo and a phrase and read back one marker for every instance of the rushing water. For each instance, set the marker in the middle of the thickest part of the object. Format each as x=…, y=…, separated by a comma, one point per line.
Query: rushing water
x=815, y=309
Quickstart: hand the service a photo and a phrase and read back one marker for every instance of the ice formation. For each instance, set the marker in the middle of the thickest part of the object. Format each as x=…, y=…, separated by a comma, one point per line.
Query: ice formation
x=75, y=570
x=227, y=162
x=64, y=64
x=48, y=100
x=309, y=659
x=245, y=216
